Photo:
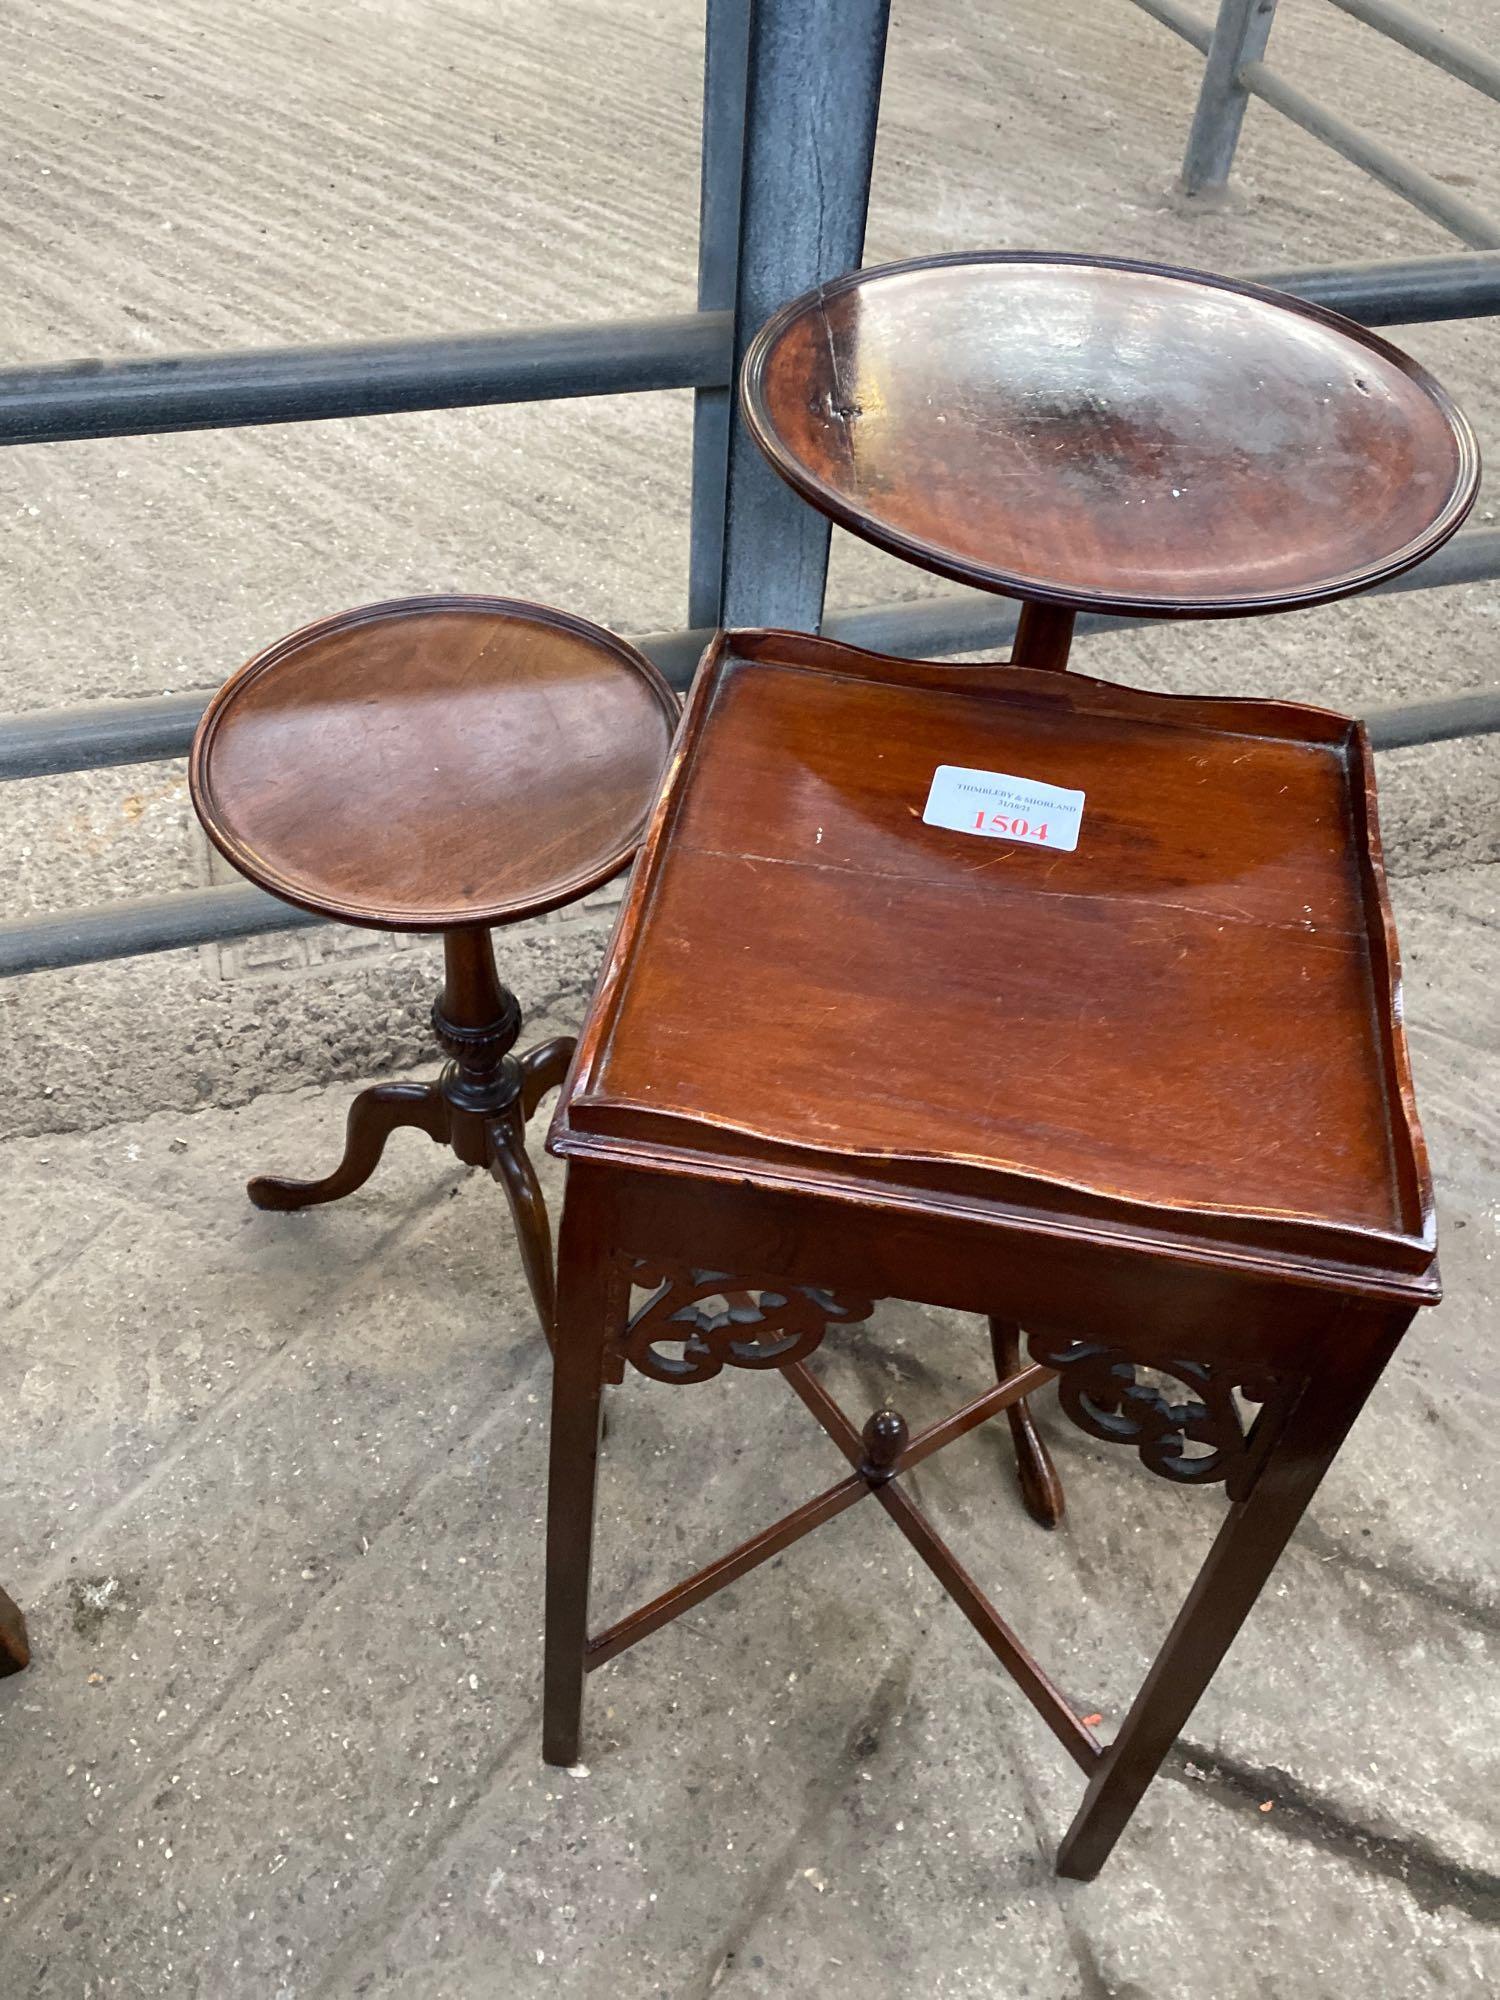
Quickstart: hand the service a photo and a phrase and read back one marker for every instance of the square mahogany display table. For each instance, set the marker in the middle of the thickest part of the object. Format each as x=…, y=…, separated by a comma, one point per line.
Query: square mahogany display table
x=1148, y=1097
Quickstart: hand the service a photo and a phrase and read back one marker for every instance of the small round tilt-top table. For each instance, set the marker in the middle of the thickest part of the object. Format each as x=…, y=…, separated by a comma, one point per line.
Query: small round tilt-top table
x=443, y=764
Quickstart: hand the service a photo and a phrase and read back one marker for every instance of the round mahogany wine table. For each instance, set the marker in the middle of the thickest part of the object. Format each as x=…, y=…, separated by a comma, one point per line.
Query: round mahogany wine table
x=1091, y=435
x=439, y=764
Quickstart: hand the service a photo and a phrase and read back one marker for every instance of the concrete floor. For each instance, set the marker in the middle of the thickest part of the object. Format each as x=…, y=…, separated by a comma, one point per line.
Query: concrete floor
x=272, y=1487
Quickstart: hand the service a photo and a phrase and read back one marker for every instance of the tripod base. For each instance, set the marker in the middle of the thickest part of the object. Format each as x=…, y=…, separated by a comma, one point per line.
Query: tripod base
x=478, y=1107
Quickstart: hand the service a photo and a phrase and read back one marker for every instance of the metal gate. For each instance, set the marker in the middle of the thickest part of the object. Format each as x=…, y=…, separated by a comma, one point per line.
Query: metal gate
x=791, y=99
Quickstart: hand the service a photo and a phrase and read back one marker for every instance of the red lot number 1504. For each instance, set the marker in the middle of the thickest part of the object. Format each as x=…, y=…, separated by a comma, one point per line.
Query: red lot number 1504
x=1006, y=823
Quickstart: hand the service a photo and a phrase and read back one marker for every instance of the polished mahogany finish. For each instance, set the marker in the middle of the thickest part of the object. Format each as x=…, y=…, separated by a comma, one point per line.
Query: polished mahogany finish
x=434, y=762
x=1093, y=434
x=439, y=764
x=1036, y=1475
x=1148, y=1100
x=1119, y=436
x=1188, y=1021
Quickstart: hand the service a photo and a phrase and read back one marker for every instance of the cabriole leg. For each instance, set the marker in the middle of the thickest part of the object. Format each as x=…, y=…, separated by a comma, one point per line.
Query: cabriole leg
x=511, y=1166
x=373, y=1116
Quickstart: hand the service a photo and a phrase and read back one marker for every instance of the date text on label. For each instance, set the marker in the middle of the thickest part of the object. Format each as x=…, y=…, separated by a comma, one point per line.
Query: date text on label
x=996, y=806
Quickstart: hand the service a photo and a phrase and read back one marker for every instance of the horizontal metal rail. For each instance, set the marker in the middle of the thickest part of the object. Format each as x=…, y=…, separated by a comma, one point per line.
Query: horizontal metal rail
x=98, y=399
x=1466, y=222
x=1439, y=721
x=87, y=736
x=95, y=735
x=299, y=385
x=1192, y=27
x=90, y=737
x=126, y=929
x=1436, y=45
x=1405, y=292
x=971, y=621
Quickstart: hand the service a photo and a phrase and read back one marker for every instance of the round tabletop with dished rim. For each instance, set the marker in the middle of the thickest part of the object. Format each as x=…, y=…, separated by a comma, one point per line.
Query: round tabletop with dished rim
x=1098, y=434
x=434, y=762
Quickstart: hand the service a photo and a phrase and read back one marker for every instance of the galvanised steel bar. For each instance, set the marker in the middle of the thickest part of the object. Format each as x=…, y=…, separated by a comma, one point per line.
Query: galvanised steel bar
x=1439, y=721
x=812, y=101
x=302, y=385
x=1468, y=223
x=153, y=923
x=198, y=916
x=971, y=621
x=1192, y=27
x=725, y=82
x=94, y=735
x=1239, y=36
x=1464, y=286
x=1399, y=24
x=87, y=736
x=93, y=399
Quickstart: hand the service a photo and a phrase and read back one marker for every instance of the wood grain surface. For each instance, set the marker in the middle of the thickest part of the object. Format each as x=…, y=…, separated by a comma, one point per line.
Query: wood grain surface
x=1111, y=435
x=1192, y=1021
x=434, y=762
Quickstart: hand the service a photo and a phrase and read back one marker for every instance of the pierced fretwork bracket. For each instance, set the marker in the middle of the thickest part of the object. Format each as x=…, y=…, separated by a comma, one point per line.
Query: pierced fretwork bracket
x=720, y=1321
x=1112, y=1396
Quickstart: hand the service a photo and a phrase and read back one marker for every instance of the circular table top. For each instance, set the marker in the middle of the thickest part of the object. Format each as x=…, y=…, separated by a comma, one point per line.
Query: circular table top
x=1099, y=434
x=435, y=762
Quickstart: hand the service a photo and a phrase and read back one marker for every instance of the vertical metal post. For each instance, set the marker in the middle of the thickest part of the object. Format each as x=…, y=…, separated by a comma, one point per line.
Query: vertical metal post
x=812, y=102
x=1240, y=36
x=726, y=51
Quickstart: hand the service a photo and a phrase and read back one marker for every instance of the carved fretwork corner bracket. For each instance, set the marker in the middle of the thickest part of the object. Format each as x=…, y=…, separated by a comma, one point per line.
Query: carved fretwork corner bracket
x=1111, y=1395
x=721, y=1321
